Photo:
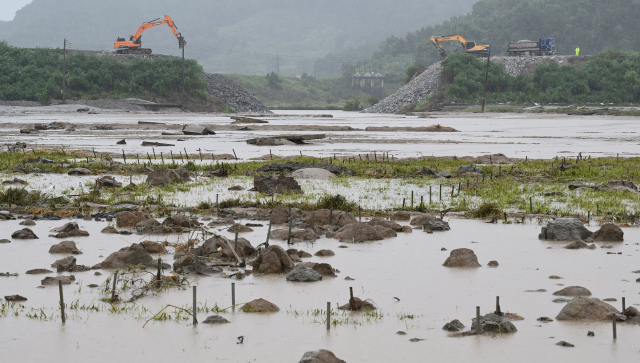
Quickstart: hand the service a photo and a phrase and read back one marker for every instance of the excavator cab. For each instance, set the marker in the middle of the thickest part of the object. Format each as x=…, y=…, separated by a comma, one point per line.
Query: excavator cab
x=470, y=45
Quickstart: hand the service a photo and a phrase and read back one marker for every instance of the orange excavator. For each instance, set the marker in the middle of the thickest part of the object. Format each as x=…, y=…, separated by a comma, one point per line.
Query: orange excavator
x=134, y=44
x=469, y=45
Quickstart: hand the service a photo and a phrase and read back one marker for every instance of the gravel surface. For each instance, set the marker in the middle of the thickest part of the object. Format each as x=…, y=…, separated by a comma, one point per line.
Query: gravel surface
x=428, y=81
x=233, y=94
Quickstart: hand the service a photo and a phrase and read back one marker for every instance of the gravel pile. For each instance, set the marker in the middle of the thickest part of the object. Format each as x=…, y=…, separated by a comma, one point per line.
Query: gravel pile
x=233, y=94
x=428, y=81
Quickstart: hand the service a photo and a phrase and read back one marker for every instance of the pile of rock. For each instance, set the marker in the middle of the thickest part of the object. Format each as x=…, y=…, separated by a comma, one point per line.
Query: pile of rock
x=233, y=94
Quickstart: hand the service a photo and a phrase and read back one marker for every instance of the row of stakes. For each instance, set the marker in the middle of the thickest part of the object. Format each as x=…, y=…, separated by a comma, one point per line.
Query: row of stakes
x=351, y=305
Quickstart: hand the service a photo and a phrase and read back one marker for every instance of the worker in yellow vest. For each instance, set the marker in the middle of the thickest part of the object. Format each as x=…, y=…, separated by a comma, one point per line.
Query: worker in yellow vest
x=577, y=50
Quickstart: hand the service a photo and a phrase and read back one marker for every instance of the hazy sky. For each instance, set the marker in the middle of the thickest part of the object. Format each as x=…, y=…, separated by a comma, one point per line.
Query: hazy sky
x=8, y=8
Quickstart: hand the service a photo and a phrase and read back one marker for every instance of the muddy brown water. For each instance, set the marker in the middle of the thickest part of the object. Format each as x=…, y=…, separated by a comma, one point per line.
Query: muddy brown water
x=408, y=267
x=515, y=135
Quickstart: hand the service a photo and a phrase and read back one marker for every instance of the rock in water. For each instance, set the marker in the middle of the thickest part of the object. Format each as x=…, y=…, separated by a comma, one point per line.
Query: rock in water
x=436, y=225
x=303, y=274
x=260, y=306
x=588, y=309
x=270, y=184
x=468, y=169
x=462, y=257
x=274, y=259
x=66, y=280
x=129, y=219
x=564, y=229
x=324, y=253
x=65, y=247
x=320, y=356
x=573, y=291
x=24, y=233
x=15, y=298
x=453, y=325
x=493, y=323
x=215, y=319
x=609, y=232
x=132, y=255
x=358, y=232
x=379, y=221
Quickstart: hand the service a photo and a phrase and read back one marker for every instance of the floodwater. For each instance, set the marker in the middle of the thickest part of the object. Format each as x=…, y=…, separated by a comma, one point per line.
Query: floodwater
x=408, y=267
x=515, y=135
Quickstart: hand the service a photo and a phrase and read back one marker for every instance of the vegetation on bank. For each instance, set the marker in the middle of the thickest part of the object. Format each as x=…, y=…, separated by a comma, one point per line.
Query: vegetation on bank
x=609, y=77
x=36, y=75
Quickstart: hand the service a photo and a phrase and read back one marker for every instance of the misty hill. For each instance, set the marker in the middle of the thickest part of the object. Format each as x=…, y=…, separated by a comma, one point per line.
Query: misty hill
x=229, y=36
x=593, y=25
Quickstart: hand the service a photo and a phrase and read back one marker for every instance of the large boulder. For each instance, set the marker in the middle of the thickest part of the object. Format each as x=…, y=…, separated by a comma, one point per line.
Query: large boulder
x=338, y=218
x=385, y=232
x=167, y=176
x=609, y=232
x=152, y=226
x=313, y=173
x=564, y=229
x=177, y=220
x=494, y=323
x=132, y=255
x=573, y=291
x=218, y=247
x=454, y=325
x=379, y=221
x=65, y=247
x=303, y=274
x=274, y=259
x=260, y=306
x=108, y=181
x=68, y=264
x=462, y=257
x=270, y=184
x=153, y=247
x=130, y=219
x=292, y=166
x=79, y=171
x=320, y=356
x=358, y=232
x=587, y=308
x=280, y=215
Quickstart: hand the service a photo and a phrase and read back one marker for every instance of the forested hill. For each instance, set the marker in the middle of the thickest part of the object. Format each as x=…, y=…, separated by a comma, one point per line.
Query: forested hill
x=593, y=25
x=230, y=36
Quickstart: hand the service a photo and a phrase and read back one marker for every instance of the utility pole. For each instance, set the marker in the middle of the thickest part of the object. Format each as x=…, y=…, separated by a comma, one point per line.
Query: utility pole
x=486, y=78
x=278, y=61
x=64, y=71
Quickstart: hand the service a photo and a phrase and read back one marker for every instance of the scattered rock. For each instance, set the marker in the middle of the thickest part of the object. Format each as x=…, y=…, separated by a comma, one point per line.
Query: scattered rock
x=464, y=169
x=273, y=260
x=108, y=181
x=236, y=187
x=239, y=228
x=132, y=255
x=293, y=166
x=545, y=319
x=260, y=306
x=462, y=257
x=586, y=309
x=609, y=232
x=493, y=264
x=70, y=229
x=324, y=253
x=356, y=232
x=15, y=298
x=453, y=325
x=303, y=274
x=68, y=264
x=215, y=319
x=218, y=247
x=270, y=184
x=565, y=229
x=493, y=323
x=53, y=280
x=576, y=245
x=573, y=291
x=79, y=171
x=65, y=247
x=320, y=356
x=313, y=173
x=28, y=222
x=153, y=247
x=129, y=219
x=24, y=233
x=38, y=271
x=167, y=176
x=109, y=230
x=562, y=343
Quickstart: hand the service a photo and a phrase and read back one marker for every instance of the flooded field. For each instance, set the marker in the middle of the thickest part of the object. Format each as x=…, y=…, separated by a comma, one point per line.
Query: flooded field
x=401, y=275
x=408, y=267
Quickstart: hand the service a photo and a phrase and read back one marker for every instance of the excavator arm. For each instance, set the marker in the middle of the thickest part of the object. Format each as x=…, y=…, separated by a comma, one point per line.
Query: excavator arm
x=469, y=46
x=135, y=41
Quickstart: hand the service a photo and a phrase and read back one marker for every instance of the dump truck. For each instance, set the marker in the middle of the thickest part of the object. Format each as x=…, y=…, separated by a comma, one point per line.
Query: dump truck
x=545, y=46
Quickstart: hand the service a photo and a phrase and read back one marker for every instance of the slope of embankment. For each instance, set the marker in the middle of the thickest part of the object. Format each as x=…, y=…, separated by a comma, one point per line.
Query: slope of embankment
x=428, y=81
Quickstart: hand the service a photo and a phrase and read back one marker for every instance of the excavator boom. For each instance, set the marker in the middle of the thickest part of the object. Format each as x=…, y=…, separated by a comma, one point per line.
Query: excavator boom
x=469, y=45
x=134, y=44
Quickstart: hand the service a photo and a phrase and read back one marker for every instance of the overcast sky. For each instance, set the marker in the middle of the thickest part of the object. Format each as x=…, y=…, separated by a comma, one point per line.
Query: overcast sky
x=8, y=8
